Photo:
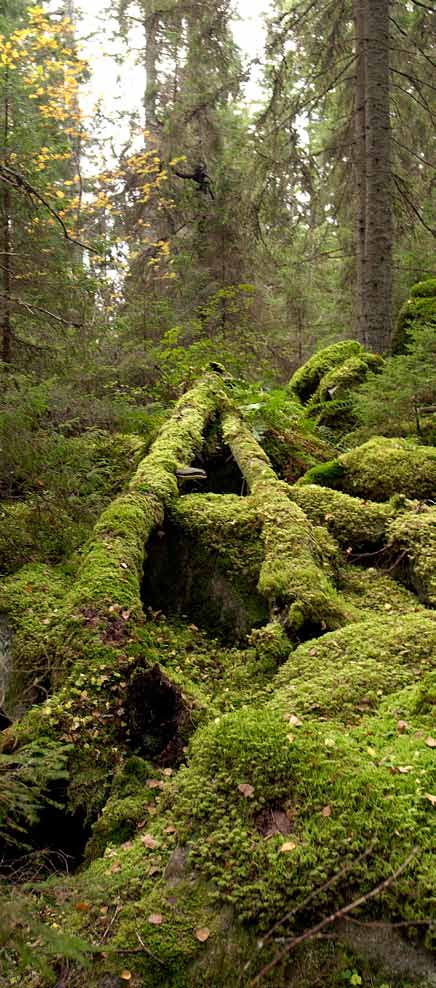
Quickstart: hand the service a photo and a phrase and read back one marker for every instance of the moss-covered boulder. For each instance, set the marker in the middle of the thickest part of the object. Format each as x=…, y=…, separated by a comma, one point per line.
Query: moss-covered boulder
x=412, y=544
x=306, y=379
x=379, y=469
x=331, y=403
x=419, y=309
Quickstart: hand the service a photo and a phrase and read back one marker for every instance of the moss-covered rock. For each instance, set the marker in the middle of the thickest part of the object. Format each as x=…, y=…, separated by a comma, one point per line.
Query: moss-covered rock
x=412, y=543
x=419, y=309
x=331, y=403
x=307, y=378
x=379, y=469
x=355, y=523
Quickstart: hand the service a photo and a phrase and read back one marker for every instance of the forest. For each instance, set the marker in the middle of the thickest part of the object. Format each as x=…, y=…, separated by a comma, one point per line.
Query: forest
x=217, y=494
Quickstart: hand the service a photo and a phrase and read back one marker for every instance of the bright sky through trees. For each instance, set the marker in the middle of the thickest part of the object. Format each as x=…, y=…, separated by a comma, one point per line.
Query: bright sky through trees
x=117, y=86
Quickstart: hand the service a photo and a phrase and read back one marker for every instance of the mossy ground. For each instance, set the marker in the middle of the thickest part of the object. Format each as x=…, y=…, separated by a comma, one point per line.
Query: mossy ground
x=303, y=774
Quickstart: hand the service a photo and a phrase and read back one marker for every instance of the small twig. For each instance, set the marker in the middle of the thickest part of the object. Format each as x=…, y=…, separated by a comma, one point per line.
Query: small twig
x=380, y=922
x=116, y=911
x=312, y=933
x=37, y=308
x=21, y=184
x=322, y=888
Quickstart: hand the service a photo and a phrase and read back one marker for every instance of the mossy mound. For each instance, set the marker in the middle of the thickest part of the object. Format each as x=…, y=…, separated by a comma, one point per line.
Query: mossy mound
x=347, y=674
x=412, y=542
x=379, y=469
x=354, y=522
x=420, y=309
x=331, y=403
x=307, y=378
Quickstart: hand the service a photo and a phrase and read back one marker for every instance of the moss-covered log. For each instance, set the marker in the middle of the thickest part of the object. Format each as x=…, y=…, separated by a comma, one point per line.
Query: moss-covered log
x=296, y=574
x=307, y=378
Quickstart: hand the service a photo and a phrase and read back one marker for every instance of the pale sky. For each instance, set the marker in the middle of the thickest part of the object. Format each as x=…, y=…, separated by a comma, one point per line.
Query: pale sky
x=121, y=86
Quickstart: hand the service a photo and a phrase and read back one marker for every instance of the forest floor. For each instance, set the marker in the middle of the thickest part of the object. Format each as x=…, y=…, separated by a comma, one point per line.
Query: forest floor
x=218, y=754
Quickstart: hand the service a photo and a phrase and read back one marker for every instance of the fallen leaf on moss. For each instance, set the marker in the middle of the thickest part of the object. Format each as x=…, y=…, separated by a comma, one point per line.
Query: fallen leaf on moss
x=294, y=721
x=82, y=906
x=246, y=789
x=431, y=742
x=287, y=847
x=402, y=726
x=115, y=867
x=155, y=919
x=149, y=841
x=326, y=811
x=125, y=976
x=202, y=934
x=431, y=798
x=171, y=829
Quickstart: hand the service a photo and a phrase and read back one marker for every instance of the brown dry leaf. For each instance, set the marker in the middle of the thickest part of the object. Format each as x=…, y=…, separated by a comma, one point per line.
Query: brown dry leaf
x=294, y=721
x=287, y=847
x=402, y=726
x=81, y=906
x=202, y=934
x=168, y=771
x=171, y=829
x=153, y=783
x=404, y=769
x=155, y=919
x=148, y=841
x=432, y=799
x=431, y=742
x=246, y=789
x=126, y=976
x=326, y=811
x=154, y=870
x=115, y=866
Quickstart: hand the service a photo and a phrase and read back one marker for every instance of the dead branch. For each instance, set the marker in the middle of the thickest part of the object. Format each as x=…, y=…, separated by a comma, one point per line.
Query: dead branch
x=18, y=182
x=322, y=888
x=339, y=914
x=32, y=308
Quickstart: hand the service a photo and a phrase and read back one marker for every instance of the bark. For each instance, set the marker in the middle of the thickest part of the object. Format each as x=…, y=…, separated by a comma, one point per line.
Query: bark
x=378, y=229
x=359, y=165
x=151, y=25
x=6, y=329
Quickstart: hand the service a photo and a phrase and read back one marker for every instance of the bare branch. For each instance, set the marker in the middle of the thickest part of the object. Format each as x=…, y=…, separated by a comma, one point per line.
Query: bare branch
x=21, y=184
x=37, y=308
x=400, y=186
x=423, y=161
x=328, y=920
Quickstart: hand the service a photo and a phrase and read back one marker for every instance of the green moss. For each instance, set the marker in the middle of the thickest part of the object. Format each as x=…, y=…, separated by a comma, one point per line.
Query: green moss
x=353, y=522
x=346, y=674
x=379, y=469
x=331, y=403
x=32, y=599
x=325, y=475
x=306, y=379
x=420, y=309
x=296, y=572
x=412, y=543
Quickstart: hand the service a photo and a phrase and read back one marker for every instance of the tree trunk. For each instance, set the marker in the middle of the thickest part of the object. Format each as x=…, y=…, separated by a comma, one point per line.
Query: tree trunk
x=377, y=287
x=359, y=167
x=6, y=329
x=151, y=26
